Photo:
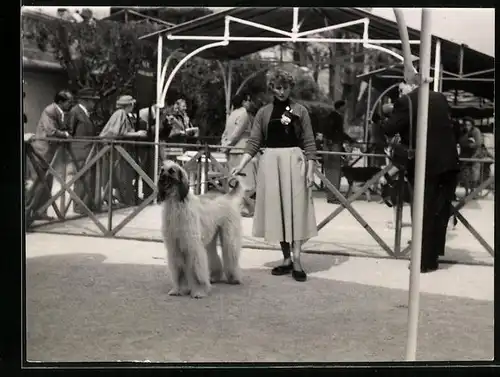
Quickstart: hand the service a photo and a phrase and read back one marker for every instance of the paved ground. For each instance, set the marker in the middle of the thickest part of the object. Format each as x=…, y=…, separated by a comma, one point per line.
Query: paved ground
x=342, y=235
x=96, y=299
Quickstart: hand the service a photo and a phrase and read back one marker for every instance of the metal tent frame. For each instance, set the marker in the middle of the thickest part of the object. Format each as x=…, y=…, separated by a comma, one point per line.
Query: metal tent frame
x=163, y=83
x=296, y=36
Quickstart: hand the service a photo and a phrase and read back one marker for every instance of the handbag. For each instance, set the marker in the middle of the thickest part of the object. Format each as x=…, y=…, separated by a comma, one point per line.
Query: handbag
x=402, y=154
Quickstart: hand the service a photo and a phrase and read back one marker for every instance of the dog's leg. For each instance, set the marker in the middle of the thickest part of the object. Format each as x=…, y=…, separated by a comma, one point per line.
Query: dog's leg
x=197, y=273
x=214, y=262
x=230, y=238
x=177, y=267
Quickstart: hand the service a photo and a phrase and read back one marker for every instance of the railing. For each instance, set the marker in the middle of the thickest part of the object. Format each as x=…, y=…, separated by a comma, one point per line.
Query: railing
x=105, y=180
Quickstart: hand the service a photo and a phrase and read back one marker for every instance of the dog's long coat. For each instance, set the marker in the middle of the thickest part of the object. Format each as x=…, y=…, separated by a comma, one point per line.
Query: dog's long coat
x=191, y=226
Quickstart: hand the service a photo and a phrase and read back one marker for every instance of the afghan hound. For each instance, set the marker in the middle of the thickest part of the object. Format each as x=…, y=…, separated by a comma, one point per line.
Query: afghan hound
x=191, y=226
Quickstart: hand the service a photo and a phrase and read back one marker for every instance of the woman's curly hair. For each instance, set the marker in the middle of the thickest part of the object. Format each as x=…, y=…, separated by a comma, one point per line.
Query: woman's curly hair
x=279, y=76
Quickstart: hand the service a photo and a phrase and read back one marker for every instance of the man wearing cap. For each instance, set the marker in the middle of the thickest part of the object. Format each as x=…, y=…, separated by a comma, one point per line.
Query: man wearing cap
x=82, y=127
x=120, y=126
x=51, y=125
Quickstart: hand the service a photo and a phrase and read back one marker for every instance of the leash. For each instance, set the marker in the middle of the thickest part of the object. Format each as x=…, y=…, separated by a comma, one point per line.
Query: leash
x=217, y=179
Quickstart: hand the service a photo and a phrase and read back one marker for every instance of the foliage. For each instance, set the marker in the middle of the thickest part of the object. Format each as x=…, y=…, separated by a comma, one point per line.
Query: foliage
x=319, y=112
x=103, y=56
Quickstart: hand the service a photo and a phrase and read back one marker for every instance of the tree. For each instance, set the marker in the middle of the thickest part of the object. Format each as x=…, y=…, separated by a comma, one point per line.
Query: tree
x=103, y=55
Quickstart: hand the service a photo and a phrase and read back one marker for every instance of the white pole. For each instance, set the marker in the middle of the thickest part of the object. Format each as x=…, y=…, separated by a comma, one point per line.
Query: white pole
x=287, y=39
x=295, y=27
x=229, y=87
x=405, y=44
x=418, y=195
x=437, y=66
x=181, y=63
x=441, y=79
x=159, y=84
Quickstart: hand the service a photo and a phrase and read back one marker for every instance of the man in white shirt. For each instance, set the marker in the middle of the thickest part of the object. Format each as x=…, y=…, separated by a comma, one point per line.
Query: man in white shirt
x=147, y=121
x=236, y=134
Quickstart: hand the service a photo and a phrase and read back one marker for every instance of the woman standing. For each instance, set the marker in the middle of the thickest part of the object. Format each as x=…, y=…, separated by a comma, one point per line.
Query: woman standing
x=284, y=210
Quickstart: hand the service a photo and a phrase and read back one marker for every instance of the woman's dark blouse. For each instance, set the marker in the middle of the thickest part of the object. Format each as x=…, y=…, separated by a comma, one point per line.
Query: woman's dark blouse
x=278, y=134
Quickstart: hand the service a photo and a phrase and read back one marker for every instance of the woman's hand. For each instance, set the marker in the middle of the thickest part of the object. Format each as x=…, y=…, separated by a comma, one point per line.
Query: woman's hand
x=235, y=171
x=382, y=181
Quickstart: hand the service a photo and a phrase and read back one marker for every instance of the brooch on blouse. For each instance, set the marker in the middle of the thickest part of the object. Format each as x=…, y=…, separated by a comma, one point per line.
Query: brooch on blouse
x=286, y=117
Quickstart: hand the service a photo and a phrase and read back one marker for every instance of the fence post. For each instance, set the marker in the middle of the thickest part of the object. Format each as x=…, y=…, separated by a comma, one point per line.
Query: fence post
x=110, y=188
x=63, y=164
x=205, y=168
x=399, y=212
x=98, y=172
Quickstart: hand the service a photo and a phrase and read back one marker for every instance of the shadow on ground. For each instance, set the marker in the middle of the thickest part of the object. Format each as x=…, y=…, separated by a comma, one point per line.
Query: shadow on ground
x=81, y=309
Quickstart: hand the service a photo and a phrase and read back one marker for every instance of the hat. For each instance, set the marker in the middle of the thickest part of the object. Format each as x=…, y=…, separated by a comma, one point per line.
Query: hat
x=87, y=93
x=125, y=100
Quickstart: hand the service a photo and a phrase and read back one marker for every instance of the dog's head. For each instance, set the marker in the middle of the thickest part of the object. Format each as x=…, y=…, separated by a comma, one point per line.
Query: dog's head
x=173, y=182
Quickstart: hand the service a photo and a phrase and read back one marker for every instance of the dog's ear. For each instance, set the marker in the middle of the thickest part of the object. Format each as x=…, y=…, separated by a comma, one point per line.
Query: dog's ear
x=182, y=185
x=160, y=196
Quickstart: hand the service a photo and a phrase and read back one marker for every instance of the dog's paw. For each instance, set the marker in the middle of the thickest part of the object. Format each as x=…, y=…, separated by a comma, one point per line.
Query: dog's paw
x=215, y=277
x=233, y=280
x=175, y=292
x=199, y=294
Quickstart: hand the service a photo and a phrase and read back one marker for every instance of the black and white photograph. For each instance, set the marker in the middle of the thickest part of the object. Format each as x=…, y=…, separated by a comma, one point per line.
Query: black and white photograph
x=258, y=184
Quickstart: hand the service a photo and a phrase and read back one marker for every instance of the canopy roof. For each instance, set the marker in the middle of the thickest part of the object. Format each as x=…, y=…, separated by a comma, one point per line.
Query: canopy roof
x=385, y=77
x=310, y=19
x=125, y=14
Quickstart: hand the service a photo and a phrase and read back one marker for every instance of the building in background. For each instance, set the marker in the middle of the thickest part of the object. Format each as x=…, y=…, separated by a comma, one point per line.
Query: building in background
x=42, y=75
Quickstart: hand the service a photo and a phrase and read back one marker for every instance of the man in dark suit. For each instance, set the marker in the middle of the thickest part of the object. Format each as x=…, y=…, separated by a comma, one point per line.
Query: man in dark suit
x=51, y=125
x=334, y=137
x=441, y=170
x=81, y=126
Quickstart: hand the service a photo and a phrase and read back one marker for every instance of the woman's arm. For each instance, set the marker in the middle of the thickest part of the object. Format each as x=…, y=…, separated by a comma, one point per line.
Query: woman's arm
x=308, y=140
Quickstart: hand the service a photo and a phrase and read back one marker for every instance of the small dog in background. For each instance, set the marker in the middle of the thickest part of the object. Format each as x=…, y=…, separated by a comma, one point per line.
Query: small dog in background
x=191, y=226
x=389, y=194
x=360, y=175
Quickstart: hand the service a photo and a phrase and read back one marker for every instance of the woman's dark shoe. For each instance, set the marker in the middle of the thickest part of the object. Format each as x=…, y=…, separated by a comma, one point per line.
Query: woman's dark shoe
x=283, y=269
x=299, y=275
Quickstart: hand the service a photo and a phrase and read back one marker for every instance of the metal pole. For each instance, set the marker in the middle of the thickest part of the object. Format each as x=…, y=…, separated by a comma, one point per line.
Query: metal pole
x=367, y=121
x=229, y=88
x=461, y=62
x=110, y=188
x=405, y=44
x=367, y=114
x=437, y=66
x=418, y=198
x=441, y=79
x=159, y=84
x=295, y=27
